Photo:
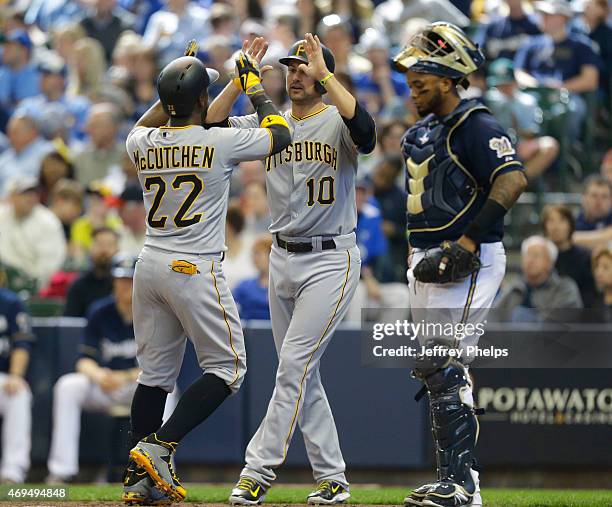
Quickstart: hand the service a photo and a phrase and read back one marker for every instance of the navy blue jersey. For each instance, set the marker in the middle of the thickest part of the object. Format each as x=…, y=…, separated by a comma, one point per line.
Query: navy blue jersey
x=503, y=36
x=15, y=327
x=108, y=340
x=582, y=224
x=545, y=59
x=252, y=300
x=482, y=149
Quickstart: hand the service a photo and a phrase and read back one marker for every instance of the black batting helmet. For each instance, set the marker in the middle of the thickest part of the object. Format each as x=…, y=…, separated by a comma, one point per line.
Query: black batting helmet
x=297, y=52
x=181, y=83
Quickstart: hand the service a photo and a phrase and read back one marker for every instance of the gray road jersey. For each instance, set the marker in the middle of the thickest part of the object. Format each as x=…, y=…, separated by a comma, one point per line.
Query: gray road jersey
x=185, y=175
x=311, y=184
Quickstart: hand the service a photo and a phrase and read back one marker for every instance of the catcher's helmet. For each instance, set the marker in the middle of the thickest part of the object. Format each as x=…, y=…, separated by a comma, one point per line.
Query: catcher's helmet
x=297, y=52
x=181, y=83
x=442, y=49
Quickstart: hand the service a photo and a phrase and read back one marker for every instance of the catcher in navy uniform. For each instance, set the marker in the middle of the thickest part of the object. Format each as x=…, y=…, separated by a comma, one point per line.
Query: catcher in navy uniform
x=463, y=175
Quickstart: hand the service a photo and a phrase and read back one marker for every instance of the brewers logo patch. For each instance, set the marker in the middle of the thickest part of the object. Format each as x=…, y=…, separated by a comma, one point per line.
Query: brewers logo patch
x=502, y=146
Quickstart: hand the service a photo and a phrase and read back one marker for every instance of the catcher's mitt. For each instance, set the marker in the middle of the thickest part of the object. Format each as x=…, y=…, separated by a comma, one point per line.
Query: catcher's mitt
x=449, y=264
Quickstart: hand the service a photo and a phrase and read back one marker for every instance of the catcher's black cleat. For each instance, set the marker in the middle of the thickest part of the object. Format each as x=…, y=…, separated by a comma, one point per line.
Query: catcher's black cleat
x=447, y=494
x=247, y=492
x=139, y=488
x=328, y=492
x=417, y=495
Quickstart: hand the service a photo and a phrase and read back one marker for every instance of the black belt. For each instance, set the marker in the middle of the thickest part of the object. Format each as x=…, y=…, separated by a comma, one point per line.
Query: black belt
x=328, y=244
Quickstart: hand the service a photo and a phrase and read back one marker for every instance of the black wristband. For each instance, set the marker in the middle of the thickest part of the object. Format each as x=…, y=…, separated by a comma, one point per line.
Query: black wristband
x=490, y=213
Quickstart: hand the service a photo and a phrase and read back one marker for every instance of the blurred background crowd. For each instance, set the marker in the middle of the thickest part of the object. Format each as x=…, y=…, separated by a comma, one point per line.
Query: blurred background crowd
x=76, y=74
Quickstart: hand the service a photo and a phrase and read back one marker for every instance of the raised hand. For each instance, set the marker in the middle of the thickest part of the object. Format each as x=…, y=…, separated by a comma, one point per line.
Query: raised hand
x=316, y=68
x=247, y=72
x=192, y=48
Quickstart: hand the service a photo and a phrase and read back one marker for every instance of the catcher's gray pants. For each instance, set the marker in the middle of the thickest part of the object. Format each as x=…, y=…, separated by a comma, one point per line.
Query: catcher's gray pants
x=170, y=306
x=309, y=295
x=468, y=299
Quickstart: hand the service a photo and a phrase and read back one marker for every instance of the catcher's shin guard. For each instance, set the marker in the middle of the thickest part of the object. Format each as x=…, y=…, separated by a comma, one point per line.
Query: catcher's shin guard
x=454, y=423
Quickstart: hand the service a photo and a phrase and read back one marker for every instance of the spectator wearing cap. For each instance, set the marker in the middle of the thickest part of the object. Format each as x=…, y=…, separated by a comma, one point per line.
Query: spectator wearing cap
x=357, y=12
x=381, y=89
x=337, y=35
x=19, y=76
x=251, y=295
x=96, y=282
x=594, y=23
x=102, y=150
x=31, y=236
x=106, y=372
x=558, y=224
x=390, y=16
x=169, y=29
x=97, y=214
x=540, y=289
x=106, y=23
x=26, y=152
x=53, y=101
x=560, y=59
x=133, y=217
x=503, y=35
x=519, y=114
x=594, y=221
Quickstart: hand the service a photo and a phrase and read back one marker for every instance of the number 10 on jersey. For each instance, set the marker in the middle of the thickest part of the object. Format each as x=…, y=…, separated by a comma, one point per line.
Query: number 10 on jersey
x=320, y=190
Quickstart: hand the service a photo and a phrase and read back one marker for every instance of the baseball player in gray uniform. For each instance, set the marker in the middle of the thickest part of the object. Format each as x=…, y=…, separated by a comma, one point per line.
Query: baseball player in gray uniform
x=314, y=265
x=179, y=287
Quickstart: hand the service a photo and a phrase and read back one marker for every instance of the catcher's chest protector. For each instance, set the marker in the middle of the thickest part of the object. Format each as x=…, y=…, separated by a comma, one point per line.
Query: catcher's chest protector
x=439, y=188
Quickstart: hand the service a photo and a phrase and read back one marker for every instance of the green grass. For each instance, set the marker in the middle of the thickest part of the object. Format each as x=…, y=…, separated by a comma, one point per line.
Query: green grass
x=369, y=495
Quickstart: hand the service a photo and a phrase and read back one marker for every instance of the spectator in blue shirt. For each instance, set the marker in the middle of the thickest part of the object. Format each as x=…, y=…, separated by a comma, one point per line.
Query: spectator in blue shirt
x=370, y=236
x=594, y=221
x=19, y=76
x=560, y=59
x=519, y=114
x=15, y=396
x=53, y=101
x=106, y=372
x=504, y=35
x=27, y=151
x=251, y=295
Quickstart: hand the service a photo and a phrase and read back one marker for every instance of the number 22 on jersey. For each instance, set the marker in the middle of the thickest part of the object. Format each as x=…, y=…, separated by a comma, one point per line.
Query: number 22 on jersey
x=180, y=218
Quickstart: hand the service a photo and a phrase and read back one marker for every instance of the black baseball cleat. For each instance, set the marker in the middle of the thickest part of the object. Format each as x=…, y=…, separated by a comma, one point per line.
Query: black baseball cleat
x=417, y=495
x=447, y=494
x=247, y=492
x=328, y=492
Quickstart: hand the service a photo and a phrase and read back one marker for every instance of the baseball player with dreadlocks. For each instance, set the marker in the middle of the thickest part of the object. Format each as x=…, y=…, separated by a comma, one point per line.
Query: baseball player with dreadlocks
x=463, y=175
x=180, y=290
x=314, y=265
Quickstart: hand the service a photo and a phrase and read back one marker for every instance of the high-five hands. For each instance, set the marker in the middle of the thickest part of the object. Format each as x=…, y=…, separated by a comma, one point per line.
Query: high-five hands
x=316, y=68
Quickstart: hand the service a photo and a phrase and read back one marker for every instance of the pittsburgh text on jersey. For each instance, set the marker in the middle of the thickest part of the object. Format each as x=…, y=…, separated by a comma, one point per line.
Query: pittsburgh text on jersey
x=305, y=151
x=164, y=157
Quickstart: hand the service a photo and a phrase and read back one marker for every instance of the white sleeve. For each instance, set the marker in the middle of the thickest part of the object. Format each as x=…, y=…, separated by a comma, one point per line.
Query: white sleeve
x=246, y=144
x=244, y=122
x=131, y=143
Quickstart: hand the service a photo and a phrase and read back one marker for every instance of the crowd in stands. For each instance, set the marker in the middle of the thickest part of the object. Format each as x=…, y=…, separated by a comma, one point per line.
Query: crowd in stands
x=76, y=74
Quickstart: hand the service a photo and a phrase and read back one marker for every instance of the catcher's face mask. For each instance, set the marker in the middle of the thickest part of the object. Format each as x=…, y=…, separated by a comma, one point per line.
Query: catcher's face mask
x=441, y=49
